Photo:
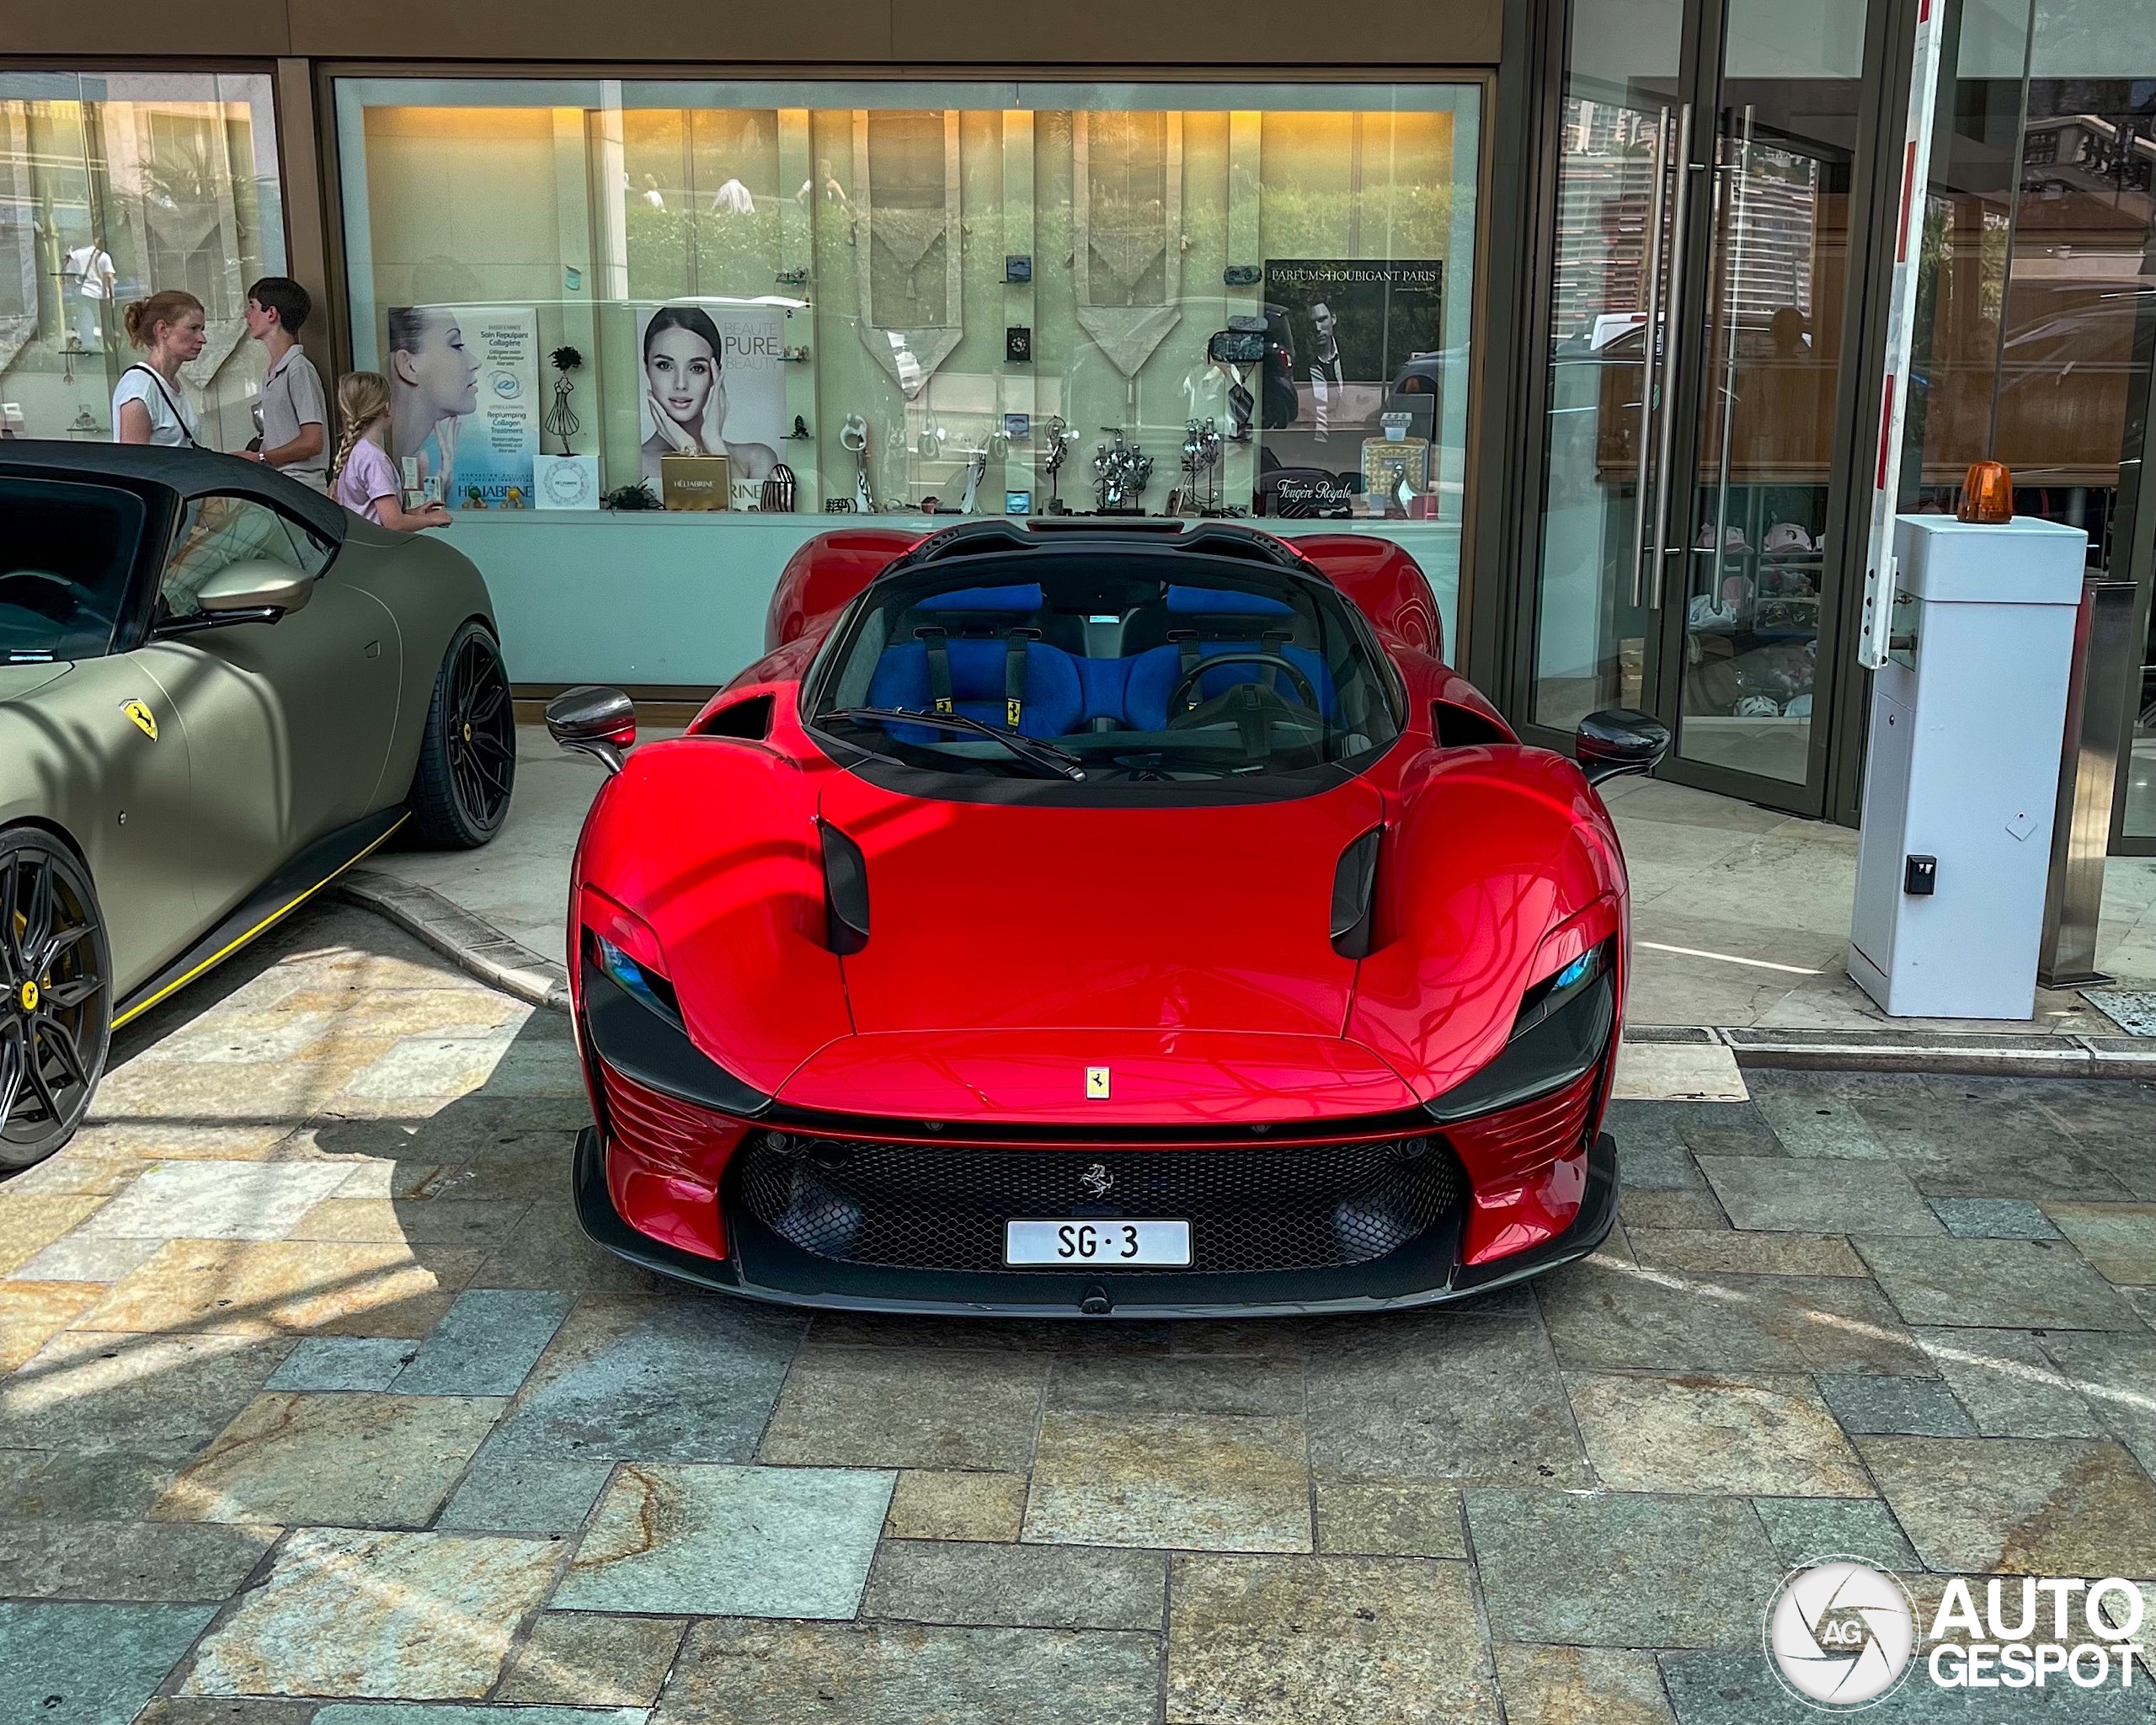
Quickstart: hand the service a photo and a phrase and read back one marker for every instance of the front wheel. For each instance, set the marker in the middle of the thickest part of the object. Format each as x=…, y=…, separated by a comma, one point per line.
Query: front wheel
x=55, y=1018
x=467, y=757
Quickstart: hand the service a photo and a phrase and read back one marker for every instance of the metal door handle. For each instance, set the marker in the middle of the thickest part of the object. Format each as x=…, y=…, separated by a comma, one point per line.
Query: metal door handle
x=1651, y=301
x=1669, y=352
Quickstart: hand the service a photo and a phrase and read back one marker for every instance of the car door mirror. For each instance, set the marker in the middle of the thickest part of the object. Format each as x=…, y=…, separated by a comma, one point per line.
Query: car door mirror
x=598, y=722
x=1618, y=741
x=240, y=590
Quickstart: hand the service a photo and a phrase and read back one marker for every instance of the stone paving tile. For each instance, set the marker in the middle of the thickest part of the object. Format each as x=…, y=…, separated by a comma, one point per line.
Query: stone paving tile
x=29, y=1222
x=88, y=1257
x=1360, y=1519
x=93, y=1166
x=1921, y=1408
x=2018, y=1507
x=350, y=1459
x=2142, y=1300
x=1037, y=1587
x=151, y=1395
x=140, y=1562
x=217, y=1200
x=226, y=1710
x=1761, y=1436
x=547, y=1250
x=748, y=1672
x=1808, y=1196
x=651, y=1379
x=418, y=1221
x=891, y=1408
x=1993, y=1219
x=1663, y=1322
x=381, y=1713
x=710, y=1541
x=401, y=1617
x=431, y=1066
x=583, y=1658
x=32, y=1313
x=486, y=1345
x=1696, y=1208
x=2009, y=1385
x=344, y=1363
x=2115, y=1376
x=90, y=1664
x=533, y=1496
x=1616, y=1569
x=1550, y=1686
x=933, y=1505
x=2119, y=1239
x=1447, y=1399
x=96, y=1485
x=1198, y=1480
x=1805, y=1530
x=1173, y=1384
x=1994, y=1284
x=1815, y=1125
x=1724, y=1251
x=272, y=1287
x=1284, y=1641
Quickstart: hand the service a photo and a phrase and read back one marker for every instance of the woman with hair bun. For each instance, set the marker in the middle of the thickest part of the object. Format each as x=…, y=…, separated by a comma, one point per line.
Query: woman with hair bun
x=434, y=381
x=148, y=403
x=685, y=393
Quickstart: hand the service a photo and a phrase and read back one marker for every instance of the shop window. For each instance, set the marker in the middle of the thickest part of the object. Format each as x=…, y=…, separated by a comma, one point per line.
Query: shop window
x=2036, y=307
x=114, y=184
x=898, y=299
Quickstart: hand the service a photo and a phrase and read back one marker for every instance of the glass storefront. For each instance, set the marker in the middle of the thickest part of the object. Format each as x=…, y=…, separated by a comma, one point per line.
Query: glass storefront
x=891, y=298
x=2037, y=314
x=113, y=185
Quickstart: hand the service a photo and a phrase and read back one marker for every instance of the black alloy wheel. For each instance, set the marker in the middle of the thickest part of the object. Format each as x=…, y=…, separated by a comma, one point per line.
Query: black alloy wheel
x=55, y=1013
x=467, y=758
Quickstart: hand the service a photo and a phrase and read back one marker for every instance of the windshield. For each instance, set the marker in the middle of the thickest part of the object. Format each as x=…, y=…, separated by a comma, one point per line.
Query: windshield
x=1104, y=664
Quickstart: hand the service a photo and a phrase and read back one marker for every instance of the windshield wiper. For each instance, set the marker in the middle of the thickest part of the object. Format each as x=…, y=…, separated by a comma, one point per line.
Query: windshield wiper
x=1034, y=753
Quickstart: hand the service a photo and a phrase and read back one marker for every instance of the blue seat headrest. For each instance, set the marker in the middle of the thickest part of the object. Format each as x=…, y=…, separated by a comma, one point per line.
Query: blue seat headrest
x=1218, y=602
x=1019, y=599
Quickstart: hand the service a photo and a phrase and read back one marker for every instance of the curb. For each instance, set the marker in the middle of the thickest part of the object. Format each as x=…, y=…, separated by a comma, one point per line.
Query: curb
x=485, y=954
x=475, y=947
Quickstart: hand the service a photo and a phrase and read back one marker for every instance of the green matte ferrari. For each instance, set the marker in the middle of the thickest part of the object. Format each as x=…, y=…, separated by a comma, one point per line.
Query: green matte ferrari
x=218, y=691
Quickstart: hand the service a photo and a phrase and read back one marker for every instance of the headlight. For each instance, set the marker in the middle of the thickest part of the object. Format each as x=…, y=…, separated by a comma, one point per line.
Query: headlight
x=1562, y=1029
x=622, y=945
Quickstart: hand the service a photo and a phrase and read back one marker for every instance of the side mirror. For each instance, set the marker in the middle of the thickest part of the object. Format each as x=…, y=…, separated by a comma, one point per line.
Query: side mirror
x=600, y=722
x=1618, y=740
x=253, y=591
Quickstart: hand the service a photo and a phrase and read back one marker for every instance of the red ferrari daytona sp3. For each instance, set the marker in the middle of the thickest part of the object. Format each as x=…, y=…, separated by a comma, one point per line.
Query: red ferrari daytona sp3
x=1080, y=918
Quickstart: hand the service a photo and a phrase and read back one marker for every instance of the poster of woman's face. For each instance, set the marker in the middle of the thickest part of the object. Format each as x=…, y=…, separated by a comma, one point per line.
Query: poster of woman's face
x=440, y=362
x=710, y=384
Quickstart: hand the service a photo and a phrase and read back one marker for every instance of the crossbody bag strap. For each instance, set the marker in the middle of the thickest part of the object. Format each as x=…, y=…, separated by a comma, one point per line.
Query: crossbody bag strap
x=178, y=417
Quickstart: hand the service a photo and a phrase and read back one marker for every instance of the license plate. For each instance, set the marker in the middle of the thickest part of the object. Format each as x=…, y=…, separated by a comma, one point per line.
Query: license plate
x=1100, y=1241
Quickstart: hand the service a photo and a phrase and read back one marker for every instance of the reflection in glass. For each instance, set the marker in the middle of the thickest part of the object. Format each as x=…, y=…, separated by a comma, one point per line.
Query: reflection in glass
x=114, y=184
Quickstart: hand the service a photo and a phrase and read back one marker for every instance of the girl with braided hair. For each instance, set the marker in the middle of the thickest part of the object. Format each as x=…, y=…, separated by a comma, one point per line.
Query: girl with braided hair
x=363, y=478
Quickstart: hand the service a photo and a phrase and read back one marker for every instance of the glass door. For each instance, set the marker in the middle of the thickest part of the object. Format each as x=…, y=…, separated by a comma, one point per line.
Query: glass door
x=1758, y=514
x=1685, y=559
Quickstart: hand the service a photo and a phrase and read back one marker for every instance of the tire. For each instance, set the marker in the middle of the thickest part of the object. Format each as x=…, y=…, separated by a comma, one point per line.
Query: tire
x=55, y=1016
x=467, y=757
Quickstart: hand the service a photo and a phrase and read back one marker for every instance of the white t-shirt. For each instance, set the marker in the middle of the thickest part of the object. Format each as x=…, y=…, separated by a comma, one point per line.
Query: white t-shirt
x=139, y=383
x=90, y=265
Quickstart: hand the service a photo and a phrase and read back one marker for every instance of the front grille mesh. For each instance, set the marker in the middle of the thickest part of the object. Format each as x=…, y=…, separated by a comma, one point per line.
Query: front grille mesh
x=943, y=1207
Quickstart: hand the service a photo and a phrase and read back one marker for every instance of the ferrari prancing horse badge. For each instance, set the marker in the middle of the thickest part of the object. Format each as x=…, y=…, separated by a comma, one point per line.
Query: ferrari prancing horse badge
x=145, y=720
x=1097, y=1083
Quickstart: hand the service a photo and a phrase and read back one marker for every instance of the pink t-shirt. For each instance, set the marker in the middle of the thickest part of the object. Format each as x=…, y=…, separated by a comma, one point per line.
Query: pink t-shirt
x=368, y=477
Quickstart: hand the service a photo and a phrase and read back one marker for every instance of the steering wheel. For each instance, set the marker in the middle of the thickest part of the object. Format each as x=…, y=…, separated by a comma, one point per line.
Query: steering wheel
x=1277, y=662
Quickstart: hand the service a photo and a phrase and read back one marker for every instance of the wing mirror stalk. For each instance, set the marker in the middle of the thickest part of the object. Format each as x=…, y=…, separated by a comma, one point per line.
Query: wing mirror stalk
x=1618, y=740
x=594, y=721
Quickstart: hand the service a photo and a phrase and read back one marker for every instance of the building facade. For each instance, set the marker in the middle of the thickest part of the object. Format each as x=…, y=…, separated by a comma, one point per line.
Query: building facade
x=1582, y=301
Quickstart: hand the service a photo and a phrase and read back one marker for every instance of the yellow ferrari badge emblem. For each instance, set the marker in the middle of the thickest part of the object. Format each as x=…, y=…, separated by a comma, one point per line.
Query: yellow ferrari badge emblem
x=29, y=997
x=145, y=720
x=1097, y=1083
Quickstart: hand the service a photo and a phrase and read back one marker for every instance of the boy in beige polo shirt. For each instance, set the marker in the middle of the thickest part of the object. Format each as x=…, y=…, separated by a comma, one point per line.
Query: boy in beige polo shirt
x=294, y=415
